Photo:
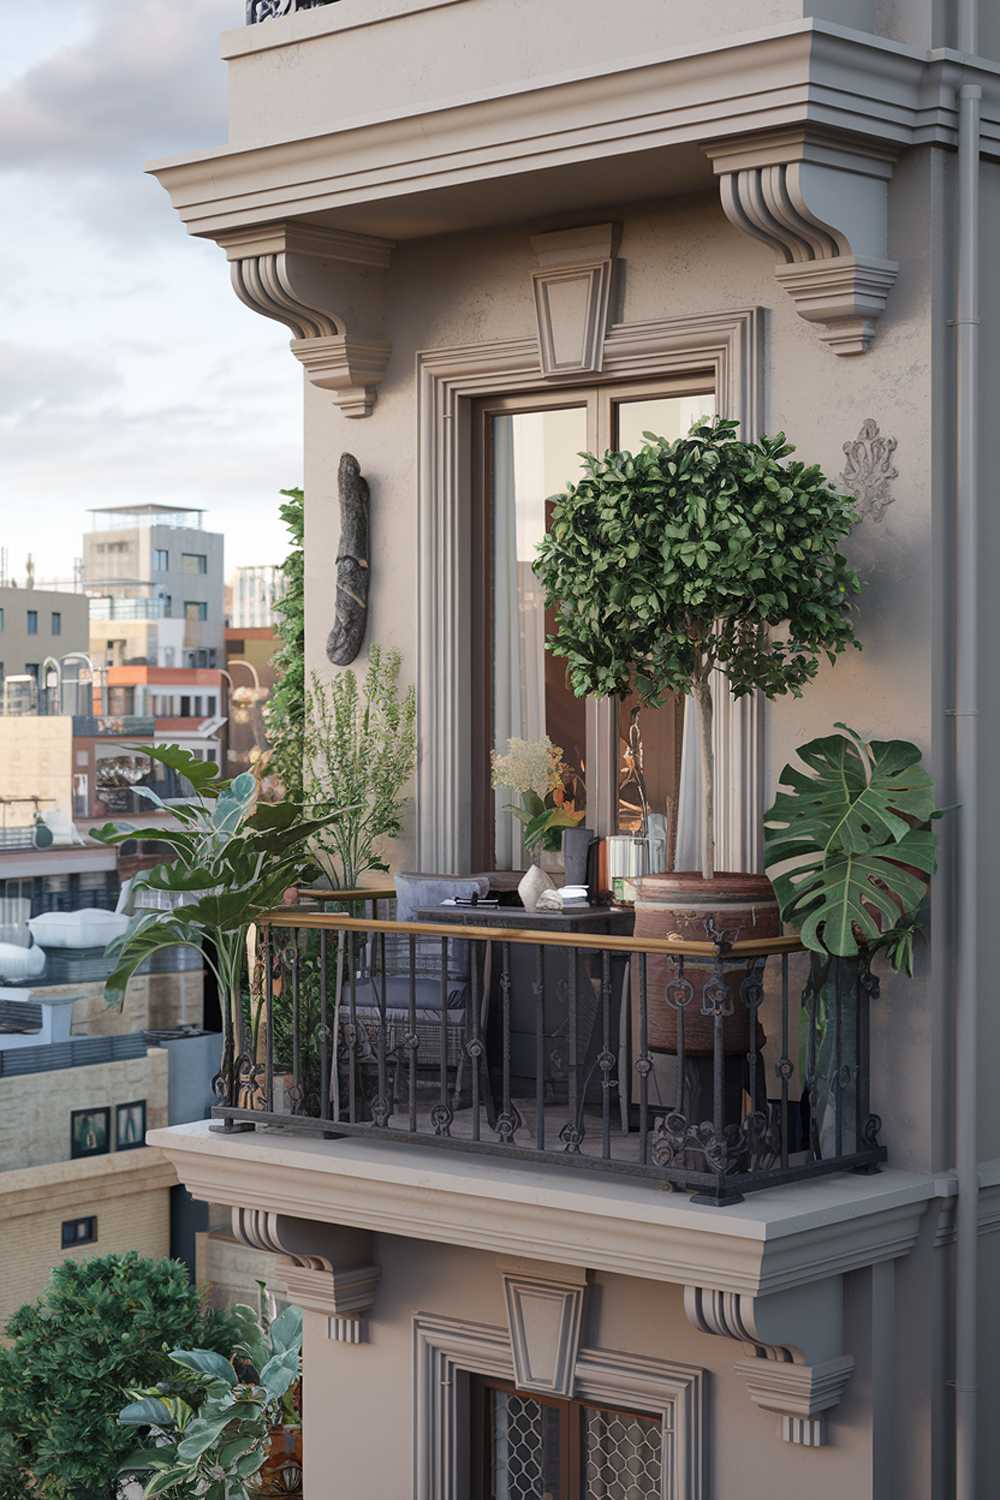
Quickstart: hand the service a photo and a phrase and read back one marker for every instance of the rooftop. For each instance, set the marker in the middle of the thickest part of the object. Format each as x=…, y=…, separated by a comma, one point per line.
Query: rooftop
x=121, y=517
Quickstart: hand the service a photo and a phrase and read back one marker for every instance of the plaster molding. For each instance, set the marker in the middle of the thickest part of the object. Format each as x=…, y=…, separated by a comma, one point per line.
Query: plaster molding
x=792, y=76
x=779, y=1240
x=544, y=1318
x=796, y=1369
x=870, y=470
x=728, y=348
x=324, y=1271
x=821, y=204
x=572, y=294
x=448, y=1350
x=328, y=288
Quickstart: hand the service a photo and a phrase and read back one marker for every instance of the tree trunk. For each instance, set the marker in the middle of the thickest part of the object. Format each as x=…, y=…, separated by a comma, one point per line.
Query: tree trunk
x=702, y=693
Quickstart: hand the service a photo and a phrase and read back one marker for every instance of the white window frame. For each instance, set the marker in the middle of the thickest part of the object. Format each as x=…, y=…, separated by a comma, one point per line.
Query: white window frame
x=448, y=1352
x=728, y=348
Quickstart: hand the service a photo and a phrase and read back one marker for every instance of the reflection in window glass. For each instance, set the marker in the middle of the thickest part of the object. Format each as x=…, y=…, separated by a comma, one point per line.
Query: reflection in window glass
x=668, y=416
x=535, y=454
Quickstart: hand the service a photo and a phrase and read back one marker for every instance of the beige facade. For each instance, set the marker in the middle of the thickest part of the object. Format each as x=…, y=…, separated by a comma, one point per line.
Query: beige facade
x=153, y=1002
x=782, y=186
x=128, y=1194
x=36, y=760
x=38, y=623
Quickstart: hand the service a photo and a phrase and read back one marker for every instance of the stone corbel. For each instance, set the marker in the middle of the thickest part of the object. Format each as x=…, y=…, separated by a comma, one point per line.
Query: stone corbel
x=796, y=1369
x=328, y=287
x=544, y=1305
x=326, y=1269
x=821, y=203
x=572, y=292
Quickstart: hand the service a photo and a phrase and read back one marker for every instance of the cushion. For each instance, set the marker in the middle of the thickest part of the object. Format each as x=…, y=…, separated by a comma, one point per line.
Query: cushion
x=20, y=963
x=88, y=928
x=414, y=892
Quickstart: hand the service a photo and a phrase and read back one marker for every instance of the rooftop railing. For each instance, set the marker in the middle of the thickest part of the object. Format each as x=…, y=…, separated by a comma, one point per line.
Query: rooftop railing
x=539, y=1046
x=265, y=10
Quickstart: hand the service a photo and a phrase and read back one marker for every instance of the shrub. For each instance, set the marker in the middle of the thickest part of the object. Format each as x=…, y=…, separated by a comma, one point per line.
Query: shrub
x=102, y=1326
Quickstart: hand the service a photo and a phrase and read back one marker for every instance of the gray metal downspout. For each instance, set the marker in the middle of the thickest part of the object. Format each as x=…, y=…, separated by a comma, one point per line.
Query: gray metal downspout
x=967, y=766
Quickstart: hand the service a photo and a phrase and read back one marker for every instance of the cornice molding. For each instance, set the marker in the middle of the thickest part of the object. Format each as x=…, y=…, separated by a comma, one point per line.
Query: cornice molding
x=821, y=203
x=328, y=288
x=812, y=75
x=779, y=1240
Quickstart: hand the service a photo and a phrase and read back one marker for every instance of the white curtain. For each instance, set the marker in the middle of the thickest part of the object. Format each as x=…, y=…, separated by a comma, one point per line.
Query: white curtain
x=507, y=714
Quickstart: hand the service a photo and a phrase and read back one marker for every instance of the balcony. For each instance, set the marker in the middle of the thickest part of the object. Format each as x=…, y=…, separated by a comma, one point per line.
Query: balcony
x=266, y=10
x=547, y=1048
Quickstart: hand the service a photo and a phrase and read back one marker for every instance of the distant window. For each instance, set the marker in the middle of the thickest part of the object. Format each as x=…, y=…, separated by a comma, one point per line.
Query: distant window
x=31, y=669
x=211, y=657
x=32, y=621
x=161, y=560
x=130, y=1125
x=56, y=622
x=235, y=648
x=90, y=1132
x=168, y=604
x=1, y=619
x=195, y=611
x=194, y=562
x=79, y=1232
x=201, y=658
x=185, y=712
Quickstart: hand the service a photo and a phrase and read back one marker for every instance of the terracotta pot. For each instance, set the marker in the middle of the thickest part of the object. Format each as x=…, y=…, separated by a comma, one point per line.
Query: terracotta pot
x=282, y=1472
x=684, y=904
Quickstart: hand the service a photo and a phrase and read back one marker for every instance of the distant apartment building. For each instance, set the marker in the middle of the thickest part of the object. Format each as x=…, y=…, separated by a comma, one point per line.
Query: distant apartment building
x=37, y=625
x=155, y=577
x=186, y=705
x=255, y=590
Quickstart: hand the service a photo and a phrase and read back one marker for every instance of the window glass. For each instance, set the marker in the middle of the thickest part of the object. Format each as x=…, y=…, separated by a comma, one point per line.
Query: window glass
x=1, y=619
x=534, y=454
x=526, y=1449
x=195, y=611
x=32, y=621
x=667, y=416
x=161, y=560
x=56, y=622
x=194, y=562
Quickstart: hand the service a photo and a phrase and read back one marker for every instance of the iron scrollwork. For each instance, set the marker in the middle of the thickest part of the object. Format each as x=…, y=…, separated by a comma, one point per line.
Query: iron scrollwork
x=267, y=10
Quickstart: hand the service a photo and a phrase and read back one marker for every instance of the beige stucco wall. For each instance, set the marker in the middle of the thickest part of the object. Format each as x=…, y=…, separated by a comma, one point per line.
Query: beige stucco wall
x=128, y=1193
x=36, y=760
x=35, y=1107
x=152, y=1002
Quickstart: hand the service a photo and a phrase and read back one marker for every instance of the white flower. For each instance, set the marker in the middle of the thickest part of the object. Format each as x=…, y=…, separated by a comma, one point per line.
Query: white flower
x=528, y=766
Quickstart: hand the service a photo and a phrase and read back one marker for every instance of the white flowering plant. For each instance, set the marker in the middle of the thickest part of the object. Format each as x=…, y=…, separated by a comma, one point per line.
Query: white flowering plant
x=536, y=770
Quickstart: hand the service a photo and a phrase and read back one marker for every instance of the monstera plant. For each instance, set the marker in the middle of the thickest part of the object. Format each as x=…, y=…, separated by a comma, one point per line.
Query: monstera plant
x=234, y=856
x=853, y=842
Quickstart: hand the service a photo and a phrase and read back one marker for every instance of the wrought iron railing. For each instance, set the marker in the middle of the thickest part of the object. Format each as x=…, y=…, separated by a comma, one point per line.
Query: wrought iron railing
x=265, y=10
x=538, y=1046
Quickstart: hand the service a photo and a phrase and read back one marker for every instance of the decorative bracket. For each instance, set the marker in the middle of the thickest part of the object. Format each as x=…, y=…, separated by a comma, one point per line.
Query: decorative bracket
x=328, y=287
x=545, y=1317
x=325, y=1269
x=796, y=1369
x=572, y=291
x=821, y=202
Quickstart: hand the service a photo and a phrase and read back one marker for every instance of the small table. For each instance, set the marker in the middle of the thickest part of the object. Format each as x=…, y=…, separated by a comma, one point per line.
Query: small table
x=556, y=970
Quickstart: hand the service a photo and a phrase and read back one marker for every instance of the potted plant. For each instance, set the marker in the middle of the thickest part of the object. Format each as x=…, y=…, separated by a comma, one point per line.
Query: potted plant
x=235, y=856
x=704, y=559
x=535, y=769
x=851, y=847
x=225, y=1428
x=360, y=753
x=99, y=1327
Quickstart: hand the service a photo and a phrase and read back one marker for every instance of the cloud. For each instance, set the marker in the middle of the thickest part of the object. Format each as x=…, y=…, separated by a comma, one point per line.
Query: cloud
x=39, y=380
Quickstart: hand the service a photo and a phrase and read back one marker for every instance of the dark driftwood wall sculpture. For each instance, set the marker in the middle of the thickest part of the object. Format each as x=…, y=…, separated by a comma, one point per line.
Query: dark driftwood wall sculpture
x=351, y=617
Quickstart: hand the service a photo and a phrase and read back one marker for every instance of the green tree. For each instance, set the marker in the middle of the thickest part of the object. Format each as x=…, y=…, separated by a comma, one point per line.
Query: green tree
x=287, y=707
x=101, y=1327
x=701, y=555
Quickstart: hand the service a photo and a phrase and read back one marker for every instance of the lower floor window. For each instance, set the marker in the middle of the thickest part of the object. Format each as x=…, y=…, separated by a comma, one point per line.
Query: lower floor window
x=79, y=1232
x=530, y=1447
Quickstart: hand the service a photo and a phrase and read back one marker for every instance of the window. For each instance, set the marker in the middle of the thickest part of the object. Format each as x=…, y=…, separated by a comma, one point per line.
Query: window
x=168, y=604
x=528, y=451
x=79, y=1232
x=530, y=1447
x=161, y=560
x=185, y=708
x=90, y=1132
x=194, y=562
x=56, y=622
x=32, y=621
x=195, y=611
x=1, y=619
x=130, y=1125
x=31, y=669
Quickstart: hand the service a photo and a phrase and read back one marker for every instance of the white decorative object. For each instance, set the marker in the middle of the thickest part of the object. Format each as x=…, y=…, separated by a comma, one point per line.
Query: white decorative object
x=821, y=203
x=531, y=885
x=544, y=1315
x=870, y=470
x=572, y=289
x=20, y=963
x=90, y=927
x=328, y=287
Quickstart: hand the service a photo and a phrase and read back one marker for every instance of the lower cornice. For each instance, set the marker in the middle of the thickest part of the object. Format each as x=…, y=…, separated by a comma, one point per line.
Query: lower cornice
x=776, y=1240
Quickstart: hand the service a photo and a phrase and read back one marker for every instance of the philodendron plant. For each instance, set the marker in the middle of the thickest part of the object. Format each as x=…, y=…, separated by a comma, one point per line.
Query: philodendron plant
x=234, y=857
x=850, y=847
x=208, y=1430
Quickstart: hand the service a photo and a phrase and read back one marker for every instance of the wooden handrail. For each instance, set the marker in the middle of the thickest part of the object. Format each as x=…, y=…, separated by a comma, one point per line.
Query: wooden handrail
x=355, y=893
x=292, y=916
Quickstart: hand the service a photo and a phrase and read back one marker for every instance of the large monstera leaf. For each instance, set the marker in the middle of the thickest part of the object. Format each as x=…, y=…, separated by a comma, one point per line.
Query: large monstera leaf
x=854, y=839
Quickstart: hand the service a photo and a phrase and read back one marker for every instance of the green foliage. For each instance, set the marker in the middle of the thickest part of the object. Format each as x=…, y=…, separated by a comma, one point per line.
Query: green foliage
x=206, y=1428
x=101, y=1326
x=360, y=753
x=286, y=711
x=702, y=553
x=853, y=843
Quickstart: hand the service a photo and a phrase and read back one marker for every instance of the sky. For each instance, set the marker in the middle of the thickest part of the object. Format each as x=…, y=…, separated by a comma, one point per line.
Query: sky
x=129, y=370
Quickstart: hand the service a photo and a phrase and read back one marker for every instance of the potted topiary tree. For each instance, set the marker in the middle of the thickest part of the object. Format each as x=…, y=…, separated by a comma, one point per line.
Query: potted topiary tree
x=704, y=559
